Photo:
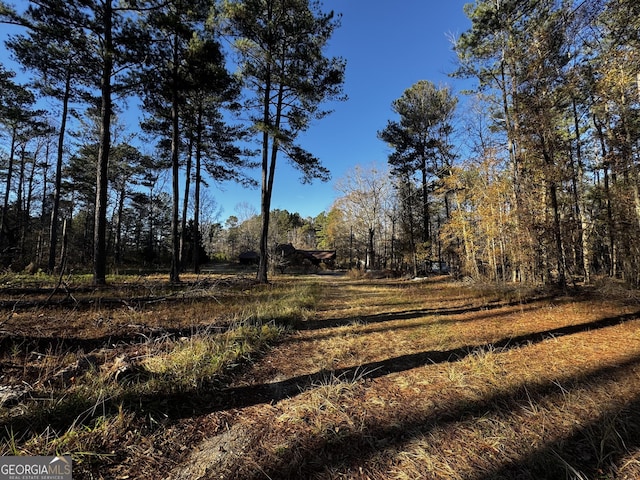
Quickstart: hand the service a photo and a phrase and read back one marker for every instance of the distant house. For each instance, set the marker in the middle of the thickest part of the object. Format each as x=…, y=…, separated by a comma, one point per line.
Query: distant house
x=317, y=257
x=287, y=255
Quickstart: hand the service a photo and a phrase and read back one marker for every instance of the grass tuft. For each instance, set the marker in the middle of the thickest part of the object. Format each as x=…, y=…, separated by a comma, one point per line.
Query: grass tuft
x=194, y=362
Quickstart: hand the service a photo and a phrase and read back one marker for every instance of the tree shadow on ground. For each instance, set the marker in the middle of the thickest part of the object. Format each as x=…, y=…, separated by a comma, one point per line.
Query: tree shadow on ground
x=143, y=334
x=352, y=450
x=594, y=450
x=212, y=398
x=410, y=325
x=273, y=392
x=209, y=399
x=415, y=313
x=176, y=295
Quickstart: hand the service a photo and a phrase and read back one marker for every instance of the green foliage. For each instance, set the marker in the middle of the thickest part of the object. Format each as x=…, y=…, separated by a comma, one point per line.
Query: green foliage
x=421, y=154
x=198, y=360
x=281, y=61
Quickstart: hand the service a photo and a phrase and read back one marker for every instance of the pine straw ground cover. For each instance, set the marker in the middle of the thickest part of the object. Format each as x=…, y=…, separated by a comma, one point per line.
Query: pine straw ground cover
x=380, y=379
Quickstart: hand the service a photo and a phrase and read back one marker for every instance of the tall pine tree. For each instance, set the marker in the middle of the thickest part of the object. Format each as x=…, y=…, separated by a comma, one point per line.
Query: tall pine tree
x=280, y=47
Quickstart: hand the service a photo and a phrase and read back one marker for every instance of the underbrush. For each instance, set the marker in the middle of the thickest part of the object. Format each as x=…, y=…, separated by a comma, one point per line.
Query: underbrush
x=196, y=361
x=95, y=404
x=124, y=396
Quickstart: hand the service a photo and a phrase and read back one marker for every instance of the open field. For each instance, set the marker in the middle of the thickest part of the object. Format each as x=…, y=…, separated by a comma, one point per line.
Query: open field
x=321, y=377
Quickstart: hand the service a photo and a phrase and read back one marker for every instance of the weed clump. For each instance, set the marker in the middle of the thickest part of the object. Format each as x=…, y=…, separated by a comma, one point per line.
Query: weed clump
x=193, y=362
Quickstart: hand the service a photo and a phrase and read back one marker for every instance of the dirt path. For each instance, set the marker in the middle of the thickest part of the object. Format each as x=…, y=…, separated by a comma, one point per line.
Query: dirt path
x=432, y=379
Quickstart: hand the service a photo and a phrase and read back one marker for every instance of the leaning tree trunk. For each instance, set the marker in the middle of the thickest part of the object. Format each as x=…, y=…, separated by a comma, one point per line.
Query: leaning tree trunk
x=268, y=171
x=185, y=206
x=55, y=211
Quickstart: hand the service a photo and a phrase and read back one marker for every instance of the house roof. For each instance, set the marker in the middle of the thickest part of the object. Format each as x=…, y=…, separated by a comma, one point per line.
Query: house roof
x=320, y=254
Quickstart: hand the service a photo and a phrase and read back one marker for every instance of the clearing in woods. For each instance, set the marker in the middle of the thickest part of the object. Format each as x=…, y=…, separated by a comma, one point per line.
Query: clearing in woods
x=324, y=377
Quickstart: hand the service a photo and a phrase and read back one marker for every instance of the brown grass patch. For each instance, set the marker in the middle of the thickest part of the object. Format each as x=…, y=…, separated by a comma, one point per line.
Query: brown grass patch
x=549, y=405
x=380, y=379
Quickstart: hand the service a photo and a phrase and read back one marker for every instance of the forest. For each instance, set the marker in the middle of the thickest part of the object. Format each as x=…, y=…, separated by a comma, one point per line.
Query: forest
x=467, y=309
x=534, y=180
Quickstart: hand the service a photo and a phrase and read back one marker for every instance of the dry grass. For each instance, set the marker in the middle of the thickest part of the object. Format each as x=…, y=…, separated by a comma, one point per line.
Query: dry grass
x=99, y=389
x=379, y=379
x=454, y=397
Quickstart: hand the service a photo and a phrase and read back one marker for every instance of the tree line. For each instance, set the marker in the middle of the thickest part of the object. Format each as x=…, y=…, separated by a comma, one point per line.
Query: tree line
x=89, y=58
x=536, y=179
x=550, y=191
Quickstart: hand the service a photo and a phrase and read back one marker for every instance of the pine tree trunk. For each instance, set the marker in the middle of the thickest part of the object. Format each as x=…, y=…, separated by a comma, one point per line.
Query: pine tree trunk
x=174, y=274
x=20, y=201
x=117, y=251
x=26, y=230
x=265, y=205
x=100, y=221
x=579, y=198
x=267, y=179
x=196, y=206
x=55, y=211
x=185, y=206
x=613, y=260
x=7, y=191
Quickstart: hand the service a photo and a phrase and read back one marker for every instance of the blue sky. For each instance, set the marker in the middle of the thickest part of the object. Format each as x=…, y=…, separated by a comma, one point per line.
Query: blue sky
x=388, y=45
